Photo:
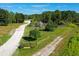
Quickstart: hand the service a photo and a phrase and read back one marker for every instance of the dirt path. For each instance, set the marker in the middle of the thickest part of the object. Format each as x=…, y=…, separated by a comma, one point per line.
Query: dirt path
x=49, y=48
x=11, y=45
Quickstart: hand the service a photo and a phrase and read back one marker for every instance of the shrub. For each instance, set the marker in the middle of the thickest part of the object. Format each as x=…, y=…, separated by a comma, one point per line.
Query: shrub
x=50, y=26
x=71, y=25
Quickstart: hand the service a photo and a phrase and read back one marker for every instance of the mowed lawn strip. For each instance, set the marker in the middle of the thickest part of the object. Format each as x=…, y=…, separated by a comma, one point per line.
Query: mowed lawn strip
x=46, y=38
x=6, y=30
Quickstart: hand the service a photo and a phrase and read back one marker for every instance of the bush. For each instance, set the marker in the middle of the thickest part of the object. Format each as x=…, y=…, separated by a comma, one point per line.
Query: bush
x=50, y=26
x=3, y=22
x=71, y=25
x=34, y=34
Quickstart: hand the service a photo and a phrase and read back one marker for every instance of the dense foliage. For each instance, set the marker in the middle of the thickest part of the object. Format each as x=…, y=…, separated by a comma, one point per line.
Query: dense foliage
x=3, y=17
x=19, y=18
x=7, y=17
x=58, y=17
x=50, y=26
x=34, y=34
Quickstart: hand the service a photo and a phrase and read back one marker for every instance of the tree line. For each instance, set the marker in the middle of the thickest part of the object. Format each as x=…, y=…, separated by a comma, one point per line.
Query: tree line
x=54, y=18
x=57, y=16
x=7, y=17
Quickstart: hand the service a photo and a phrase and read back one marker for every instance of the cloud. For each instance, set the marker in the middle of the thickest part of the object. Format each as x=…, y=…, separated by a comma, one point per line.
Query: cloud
x=61, y=6
x=6, y=7
x=45, y=9
x=39, y=6
x=9, y=6
x=35, y=10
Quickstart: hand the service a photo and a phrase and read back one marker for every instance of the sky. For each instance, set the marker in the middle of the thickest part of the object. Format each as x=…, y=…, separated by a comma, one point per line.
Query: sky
x=37, y=8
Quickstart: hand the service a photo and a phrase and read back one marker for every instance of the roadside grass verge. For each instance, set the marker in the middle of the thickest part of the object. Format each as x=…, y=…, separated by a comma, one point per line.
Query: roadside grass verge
x=5, y=32
x=46, y=38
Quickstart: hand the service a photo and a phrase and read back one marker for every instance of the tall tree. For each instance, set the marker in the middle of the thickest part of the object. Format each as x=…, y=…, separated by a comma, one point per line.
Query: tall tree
x=34, y=34
x=11, y=17
x=19, y=18
x=50, y=26
x=3, y=17
x=58, y=16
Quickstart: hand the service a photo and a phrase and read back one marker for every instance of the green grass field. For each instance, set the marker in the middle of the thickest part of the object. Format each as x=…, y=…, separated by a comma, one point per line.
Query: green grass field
x=69, y=46
x=46, y=38
x=5, y=32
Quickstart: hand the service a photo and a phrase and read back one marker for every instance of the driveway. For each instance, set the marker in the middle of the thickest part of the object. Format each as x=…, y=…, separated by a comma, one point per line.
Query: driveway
x=8, y=48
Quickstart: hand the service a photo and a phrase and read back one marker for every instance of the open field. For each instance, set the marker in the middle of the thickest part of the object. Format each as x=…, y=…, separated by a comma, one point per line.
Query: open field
x=6, y=32
x=46, y=38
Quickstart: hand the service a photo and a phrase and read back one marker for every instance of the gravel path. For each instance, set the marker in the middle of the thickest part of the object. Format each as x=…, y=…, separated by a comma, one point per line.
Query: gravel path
x=11, y=45
x=49, y=48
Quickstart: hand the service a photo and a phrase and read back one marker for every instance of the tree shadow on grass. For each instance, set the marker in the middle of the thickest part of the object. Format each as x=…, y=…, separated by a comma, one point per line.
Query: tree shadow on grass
x=28, y=38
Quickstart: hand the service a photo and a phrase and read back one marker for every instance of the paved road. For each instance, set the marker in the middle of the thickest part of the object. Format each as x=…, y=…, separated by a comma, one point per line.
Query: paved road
x=49, y=48
x=11, y=45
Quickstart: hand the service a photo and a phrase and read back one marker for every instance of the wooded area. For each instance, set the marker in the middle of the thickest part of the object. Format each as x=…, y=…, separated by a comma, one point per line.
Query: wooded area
x=57, y=17
x=7, y=17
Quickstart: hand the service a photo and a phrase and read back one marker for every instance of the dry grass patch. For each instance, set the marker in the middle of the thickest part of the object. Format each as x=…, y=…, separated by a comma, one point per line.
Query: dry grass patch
x=5, y=32
x=6, y=29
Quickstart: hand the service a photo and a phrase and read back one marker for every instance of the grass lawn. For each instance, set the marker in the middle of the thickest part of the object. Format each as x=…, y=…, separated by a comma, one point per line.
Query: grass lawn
x=46, y=38
x=61, y=49
x=5, y=32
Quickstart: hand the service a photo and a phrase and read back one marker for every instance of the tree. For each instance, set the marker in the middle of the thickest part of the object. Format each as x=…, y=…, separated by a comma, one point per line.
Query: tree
x=50, y=26
x=3, y=17
x=19, y=18
x=34, y=34
x=11, y=17
x=57, y=16
x=46, y=16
